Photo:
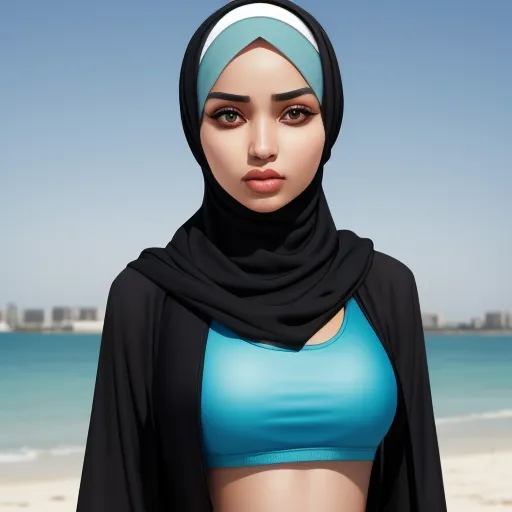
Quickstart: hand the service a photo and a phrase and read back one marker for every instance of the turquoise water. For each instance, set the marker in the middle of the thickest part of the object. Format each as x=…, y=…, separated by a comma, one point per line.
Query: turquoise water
x=47, y=383
x=470, y=374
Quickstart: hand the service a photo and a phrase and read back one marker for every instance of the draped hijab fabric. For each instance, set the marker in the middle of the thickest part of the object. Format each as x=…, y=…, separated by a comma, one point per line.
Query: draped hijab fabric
x=276, y=276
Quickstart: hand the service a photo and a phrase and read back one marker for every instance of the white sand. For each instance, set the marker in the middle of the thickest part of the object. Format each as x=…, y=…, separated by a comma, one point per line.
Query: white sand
x=43, y=496
x=474, y=483
x=479, y=482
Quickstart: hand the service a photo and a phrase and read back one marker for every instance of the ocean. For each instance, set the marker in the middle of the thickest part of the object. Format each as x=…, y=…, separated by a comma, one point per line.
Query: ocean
x=47, y=383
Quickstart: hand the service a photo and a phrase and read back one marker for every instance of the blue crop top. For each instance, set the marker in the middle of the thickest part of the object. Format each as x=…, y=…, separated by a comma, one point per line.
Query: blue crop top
x=262, y=404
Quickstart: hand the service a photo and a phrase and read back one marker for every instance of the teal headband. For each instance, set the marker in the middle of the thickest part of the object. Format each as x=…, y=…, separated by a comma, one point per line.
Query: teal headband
x=289, y=41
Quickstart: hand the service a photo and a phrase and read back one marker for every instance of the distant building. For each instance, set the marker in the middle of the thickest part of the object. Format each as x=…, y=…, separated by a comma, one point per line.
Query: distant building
x=33, y=317
x=476, y=323
x=11, y=316
x=508, y=320
x=3, y=324
x=431, y=321
x=89, y=314
x=87, y=326
x=495, y=320
x=61, y=315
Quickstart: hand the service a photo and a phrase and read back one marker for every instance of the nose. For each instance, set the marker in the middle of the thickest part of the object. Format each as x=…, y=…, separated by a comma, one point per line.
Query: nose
x=263, y=139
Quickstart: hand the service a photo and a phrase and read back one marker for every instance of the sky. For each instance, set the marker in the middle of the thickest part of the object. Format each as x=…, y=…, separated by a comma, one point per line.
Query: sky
x=94, y=166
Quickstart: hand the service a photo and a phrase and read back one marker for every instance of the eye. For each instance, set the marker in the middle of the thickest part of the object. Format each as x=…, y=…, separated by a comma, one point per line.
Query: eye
x=297, y=114
x=227, y=116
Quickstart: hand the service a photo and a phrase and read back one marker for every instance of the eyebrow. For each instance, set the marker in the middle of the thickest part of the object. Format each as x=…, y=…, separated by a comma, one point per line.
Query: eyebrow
x=282, y=96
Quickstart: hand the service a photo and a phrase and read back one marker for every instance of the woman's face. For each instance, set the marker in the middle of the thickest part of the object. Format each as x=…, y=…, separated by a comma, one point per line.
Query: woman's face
x=259, y=131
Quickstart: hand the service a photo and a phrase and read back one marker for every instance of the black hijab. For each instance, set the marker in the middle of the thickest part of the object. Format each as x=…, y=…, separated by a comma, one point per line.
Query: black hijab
x=276, y=276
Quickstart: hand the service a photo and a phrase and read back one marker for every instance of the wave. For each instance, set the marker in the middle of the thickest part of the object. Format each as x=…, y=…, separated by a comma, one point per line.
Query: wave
x=476, y=416
x=27, y=454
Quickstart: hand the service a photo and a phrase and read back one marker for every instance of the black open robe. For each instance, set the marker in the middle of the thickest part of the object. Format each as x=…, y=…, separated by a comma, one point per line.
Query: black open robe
x=144, y=448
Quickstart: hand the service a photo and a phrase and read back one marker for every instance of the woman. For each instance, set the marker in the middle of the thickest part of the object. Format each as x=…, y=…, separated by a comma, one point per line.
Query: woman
x=262, y=361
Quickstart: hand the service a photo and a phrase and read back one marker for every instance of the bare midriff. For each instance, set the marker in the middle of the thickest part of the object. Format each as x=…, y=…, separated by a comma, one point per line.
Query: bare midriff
x=295, y=487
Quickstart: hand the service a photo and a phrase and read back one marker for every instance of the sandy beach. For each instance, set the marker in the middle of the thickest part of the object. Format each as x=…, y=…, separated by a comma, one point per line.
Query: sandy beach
x=474, y=483
x=40, y=496
x=480, y=482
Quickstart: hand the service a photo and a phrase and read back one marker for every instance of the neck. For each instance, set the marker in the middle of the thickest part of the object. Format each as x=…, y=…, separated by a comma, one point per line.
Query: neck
x=238, y=231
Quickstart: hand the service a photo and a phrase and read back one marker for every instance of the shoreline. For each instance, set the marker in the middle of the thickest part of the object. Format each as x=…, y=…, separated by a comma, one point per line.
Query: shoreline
x=473, y=483
x=429, y=332
x=469, y=332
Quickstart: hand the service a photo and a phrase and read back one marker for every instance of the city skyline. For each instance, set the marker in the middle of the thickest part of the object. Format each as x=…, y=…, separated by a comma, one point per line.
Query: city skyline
x=95, y=167
x=63, y=318
x=431, y=319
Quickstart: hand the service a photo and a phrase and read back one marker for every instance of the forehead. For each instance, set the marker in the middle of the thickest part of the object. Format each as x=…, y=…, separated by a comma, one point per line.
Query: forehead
x=257, y=67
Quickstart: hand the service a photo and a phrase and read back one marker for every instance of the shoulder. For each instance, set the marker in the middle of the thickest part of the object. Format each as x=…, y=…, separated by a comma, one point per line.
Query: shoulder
x=130, y=287
x=390, y=279
x=134, y=297
x=132, y=319
x=390, y=269
x=390, y=297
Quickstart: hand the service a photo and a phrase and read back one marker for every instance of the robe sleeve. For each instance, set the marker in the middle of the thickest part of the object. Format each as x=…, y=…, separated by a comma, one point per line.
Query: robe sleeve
x=120, y=470
x=421, y=469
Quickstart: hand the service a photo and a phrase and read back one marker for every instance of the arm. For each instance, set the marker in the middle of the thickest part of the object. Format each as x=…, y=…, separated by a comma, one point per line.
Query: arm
x=422, y=459
x=406, y=475
x=120, y=464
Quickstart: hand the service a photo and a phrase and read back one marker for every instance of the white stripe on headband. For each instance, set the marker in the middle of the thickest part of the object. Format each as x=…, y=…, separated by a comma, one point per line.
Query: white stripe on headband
x=254, y=11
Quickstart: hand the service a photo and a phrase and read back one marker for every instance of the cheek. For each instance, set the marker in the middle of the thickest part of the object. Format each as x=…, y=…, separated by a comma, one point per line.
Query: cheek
x=223, y=150
x=302, y=149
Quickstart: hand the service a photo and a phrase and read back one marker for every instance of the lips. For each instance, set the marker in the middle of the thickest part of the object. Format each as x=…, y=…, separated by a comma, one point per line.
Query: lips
x=263, y=182
x=267, y=174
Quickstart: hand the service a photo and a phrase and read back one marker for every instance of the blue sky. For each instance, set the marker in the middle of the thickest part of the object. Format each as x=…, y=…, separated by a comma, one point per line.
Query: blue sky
x=94, y=166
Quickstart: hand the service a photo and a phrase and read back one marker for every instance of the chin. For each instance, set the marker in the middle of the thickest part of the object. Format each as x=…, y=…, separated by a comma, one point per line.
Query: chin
x=266, y=204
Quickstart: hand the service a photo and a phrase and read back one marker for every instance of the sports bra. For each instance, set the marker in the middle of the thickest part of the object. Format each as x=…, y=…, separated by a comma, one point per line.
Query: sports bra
x=262, y=404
